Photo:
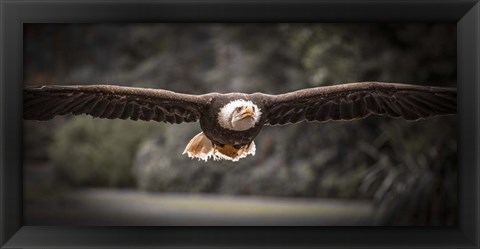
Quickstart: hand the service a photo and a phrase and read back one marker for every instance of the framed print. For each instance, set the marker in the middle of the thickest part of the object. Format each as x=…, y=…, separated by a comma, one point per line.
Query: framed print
x=194, y=134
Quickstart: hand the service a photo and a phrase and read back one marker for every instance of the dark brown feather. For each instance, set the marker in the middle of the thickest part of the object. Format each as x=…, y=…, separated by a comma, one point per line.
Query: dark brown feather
x=106, y=101
x=359, y=100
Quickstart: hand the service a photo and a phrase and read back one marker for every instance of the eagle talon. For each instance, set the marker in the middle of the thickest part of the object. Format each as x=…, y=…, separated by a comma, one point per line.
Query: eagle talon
x=230, y=152
x=203, y=148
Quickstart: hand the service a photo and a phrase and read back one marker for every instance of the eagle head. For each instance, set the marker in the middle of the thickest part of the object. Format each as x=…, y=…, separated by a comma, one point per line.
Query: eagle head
x=239, y=115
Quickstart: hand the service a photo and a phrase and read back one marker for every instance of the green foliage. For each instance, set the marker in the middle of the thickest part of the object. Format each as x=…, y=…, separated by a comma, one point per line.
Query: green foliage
x=92, y=152
x=335, y=185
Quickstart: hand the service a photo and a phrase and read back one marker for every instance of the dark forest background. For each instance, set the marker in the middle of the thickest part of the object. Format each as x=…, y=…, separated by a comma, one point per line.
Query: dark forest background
x=408, y=170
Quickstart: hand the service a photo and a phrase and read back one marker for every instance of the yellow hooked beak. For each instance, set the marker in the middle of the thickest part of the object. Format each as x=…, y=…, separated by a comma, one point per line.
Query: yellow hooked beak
x=248, y=112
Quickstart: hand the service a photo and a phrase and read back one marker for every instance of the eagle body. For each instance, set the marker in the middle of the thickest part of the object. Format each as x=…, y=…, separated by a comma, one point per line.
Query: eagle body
x=230, y=122
x=222, y=136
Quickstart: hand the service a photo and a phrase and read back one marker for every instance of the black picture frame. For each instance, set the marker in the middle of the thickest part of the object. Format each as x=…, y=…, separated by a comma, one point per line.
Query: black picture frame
x=465, y=13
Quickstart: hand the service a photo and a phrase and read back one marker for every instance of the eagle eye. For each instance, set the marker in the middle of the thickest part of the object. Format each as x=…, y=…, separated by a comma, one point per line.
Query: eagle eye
x=238, y=109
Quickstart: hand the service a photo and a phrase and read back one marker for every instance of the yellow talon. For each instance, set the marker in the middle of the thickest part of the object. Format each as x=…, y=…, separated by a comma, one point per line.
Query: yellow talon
x=227, y=150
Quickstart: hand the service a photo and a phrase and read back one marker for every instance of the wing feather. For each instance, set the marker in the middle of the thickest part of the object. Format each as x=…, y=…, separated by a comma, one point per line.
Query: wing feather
x=147, y=113
x=359, y=100
x=112, y=102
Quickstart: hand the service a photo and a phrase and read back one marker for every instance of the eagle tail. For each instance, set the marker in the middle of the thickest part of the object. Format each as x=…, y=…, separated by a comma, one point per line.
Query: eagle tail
x=199, y=147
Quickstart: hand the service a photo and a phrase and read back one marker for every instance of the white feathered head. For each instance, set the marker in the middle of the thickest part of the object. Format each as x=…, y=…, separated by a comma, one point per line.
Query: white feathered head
x=239, y=115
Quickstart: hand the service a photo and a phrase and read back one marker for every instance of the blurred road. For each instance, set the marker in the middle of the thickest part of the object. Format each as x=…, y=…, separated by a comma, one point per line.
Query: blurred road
x=108, y=207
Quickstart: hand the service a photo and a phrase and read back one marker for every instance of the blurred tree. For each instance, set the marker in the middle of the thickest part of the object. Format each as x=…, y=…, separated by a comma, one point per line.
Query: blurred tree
x=98, y=152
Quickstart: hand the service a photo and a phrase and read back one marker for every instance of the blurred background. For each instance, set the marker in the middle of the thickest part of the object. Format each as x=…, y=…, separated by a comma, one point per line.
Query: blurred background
x=375, y=171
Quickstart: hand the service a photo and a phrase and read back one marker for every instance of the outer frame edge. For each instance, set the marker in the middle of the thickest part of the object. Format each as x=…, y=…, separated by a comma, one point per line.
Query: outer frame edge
x=3, y=87
x=468, y=65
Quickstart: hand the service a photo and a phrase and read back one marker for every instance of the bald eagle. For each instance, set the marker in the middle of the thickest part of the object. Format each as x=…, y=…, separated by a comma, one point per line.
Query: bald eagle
x=231, y=121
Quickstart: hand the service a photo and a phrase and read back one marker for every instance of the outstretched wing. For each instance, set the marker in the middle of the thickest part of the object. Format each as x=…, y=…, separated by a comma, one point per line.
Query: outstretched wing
x=359, y=100
x=112, y=102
